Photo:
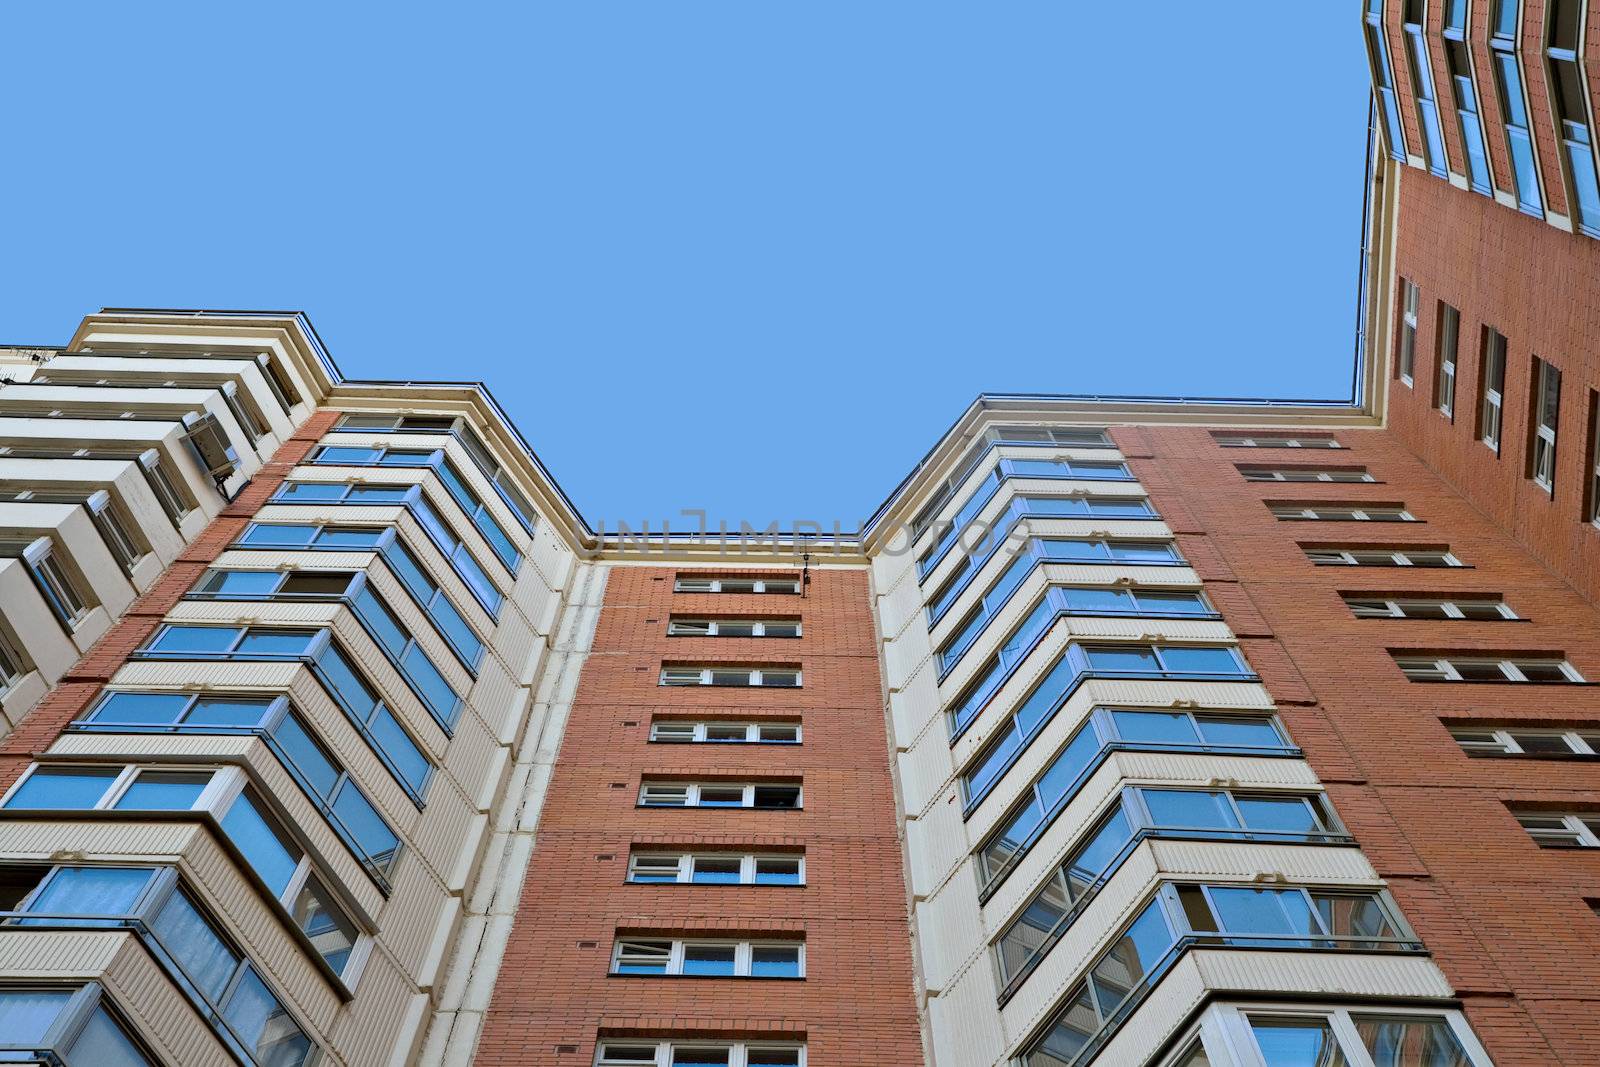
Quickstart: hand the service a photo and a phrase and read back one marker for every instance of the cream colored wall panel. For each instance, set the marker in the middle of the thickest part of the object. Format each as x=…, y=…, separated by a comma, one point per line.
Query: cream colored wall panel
x=1201, y=768
x=899, y=609
x=514, y=639
x=243, y=371
x=365, y=1034
x=493, y=699
x=915, y=710
x=273, y=559
x=532, y=596
x=58, y=954
x=162, y=1016
x=132, y=748
x=965, y=1025
x=198, y=674
x=42, y=838
x=442, y=829
x=1109, y=912
x=470, y=752
x=551, y=558
x=407, y=922
x=20, y=698
x=950, y=932
x=1240, y=860
x=925, y=774
x=1324, y=973
x=935, y=845
x=248, y=612
x=439, y=569
x=903, y=655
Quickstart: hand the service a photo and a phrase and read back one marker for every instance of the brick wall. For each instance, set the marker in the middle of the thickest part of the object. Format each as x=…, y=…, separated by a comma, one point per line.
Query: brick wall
x=82, y=683
x=1506, y=920
x=855, y=1004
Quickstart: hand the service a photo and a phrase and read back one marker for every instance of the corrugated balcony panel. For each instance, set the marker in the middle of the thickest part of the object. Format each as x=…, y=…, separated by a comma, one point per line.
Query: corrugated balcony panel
x=936, y=845
x=483, y=721
x=257, y=558
x=1233, y=860
x=1179, y=994
x=406, y=923
x=904, y=655
x=1267, y=973
x=58, y=955
x=160, y=1014
x=553, y=560
x=914, y=706
x=952, y=933
x=514, y=641
x=39, y=839
x=533, y=599
x=245, y=612
x=134, y=748
x=365, y=1036
x=899, y=606
x=964, y=1023
x=926, y=772
x=442, y=827
x=190, y=674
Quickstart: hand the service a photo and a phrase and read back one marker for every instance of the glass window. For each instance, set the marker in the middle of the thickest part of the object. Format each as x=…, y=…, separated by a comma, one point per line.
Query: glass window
x=240, y=583
x=278, y=535
x=204, y=639
x=1402, y=1041
x=1286, y=1042
x=25, y=1014
x=140, y=708
x=775, y=961
x=268, y=853
x=199, y=950
x=97, y=891
x=103, y=1043
x=1155, y=727
x=67, y=788
x=331, y=932
x=1189, y=808
x=163, y=791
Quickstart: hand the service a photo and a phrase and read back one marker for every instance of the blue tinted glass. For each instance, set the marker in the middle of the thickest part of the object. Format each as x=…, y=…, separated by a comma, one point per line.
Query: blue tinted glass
x=1155, y=727
x=1296, y=1042
x=202, y=953
x=405, y=458
x=276, y=642
x=1130, y=958
x=399, y=747
x=25, y=1014
x=163, y=791
x=774, y=962
x=1140, y=552
x=1068, y=549
x=1291, y=814
x=75, y=788
x=431, y=522
x=1045, y=699
x=1189, y=808
x=377, y=494
x=134, y=709
x=404, y=564
x=1256, y=733
x=1120, y=509
x=195, y=639
x=1258, y=911
x=973, y=699
x=386, y=628
x=1200, y=660
x=364, y=823
x=497, y=538
x=347, y=685
x=282, y=535
x=1113, y=658
x=307, y=756
x=349, y=537
x=258, y=1017
x=212, y=711
x=1063, y=773
x=1096, y=854
x=242, y=582
x=103, y=1043
x=993, y=761
x=456, y=630
x=1096, y=471
x=1054, y=505
x=708, y=959
x=1113, y=600
x=98, y=891
x=302, y=492
x=435, y=689
x=348, y=454
x=1015, y=834
x=1171, y=603
x=1037, y=468
x=1031, y=627
x=267, y=853
x=476, y=578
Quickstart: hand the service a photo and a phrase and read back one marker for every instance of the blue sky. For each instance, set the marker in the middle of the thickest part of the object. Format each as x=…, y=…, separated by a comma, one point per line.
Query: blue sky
x=750, y=257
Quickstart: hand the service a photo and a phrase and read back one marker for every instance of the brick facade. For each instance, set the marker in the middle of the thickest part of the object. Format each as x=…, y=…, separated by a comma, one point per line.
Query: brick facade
x=1509, y=922
x=855, y=1005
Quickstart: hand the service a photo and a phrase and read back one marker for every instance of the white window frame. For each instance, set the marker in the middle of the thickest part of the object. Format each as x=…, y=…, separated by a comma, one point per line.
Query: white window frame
x=1448, y=344
x=743, y=953
x=1351, y=557
x=698, y=732
x=1575, y=831
x=664, y=1051
x=13, y=667
x=113, y=531
x=758, y=676
x=690, y=792
x=1505, y=741
x=1342, y=513
x=1317, y=474
x=1396, y=608
x=689, y=584
x=60, y=593
x=1492, y=407
x=683, y=865
x=1446, y=669
x=1542, y=452
x=1406, y=351
x=1230, y=1041
x=713, y=627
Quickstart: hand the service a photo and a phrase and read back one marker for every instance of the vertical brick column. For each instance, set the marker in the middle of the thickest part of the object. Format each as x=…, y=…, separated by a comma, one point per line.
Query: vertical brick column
x=83, y=681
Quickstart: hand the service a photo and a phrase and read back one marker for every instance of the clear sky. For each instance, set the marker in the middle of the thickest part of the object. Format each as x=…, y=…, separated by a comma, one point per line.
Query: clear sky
x=750, y=256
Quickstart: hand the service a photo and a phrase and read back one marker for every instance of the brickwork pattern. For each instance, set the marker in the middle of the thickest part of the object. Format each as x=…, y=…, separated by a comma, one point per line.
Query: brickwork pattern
x=81, y=684
x=855, y=1005
x=1509, y=922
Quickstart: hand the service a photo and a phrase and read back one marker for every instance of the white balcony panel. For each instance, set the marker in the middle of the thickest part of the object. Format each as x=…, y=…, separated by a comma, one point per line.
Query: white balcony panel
x=950, y=931
x=408, y=919
x=964, y=1023
x=935, y=845
x=365, y=1036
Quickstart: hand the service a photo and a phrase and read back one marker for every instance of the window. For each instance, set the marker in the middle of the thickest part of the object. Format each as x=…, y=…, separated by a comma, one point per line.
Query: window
x=1569, y=93
x=691, y=584
x=1422, y=91
x=57, y=588
x=188, y=641
x=1535, y=742
x=315, y=769
x=677, y=627
x=374, y=720
x=113, y=530
x=1305, y=474
x=1444, y=383
x=1493, y=388
x=408, y=657
x=718, y=795
x=173, y=502
x=1053, y=550
x=716, y=868
x=683, y=730
x=1342, y=512
x=1458, y=59
x=464, y=642
x=1340, y=1038
x=1405, y=360
x=63, y=1024
x=274, y=585
x=1479, y=609
x=1382, y=557
x=1554, y=830
x=12, y=665
x=461, y=558
x=697, y=1053
x=268, y=849
x=1469, y=668
x=1123, y=974
x=783, y=677
x=303, y=535
x=1383, y=80
x=1505, y=16
x=1272, y=440
x=727, y=959
x=1546, y=409
x=340, y=493
x=1107, y=730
